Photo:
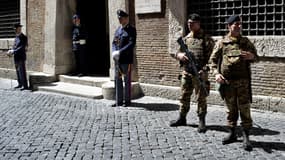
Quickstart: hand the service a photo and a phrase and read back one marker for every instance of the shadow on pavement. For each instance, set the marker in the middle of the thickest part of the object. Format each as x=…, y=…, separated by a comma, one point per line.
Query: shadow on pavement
x=262, y=131
x=256, y=131
x=268, y=146
x=156, y=106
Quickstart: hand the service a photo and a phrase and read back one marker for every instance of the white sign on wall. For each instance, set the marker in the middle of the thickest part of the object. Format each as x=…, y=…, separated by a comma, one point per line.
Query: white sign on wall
x=147, y=6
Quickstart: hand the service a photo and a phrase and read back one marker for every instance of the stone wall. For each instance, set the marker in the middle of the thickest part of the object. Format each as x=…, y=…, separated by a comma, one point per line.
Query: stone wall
x=35, y=23
x=268, y=75
x=155, y=66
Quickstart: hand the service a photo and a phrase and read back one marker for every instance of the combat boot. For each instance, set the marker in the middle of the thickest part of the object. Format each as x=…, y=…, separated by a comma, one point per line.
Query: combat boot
x=202, y=125
x=181, y=121
x=246, y=143
x=231, y=137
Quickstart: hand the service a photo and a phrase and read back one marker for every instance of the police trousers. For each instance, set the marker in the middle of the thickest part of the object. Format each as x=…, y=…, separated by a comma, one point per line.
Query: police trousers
x=123, y=91
x=20, y=66
x=188, y=85
x=80, y=60
x=237, y=99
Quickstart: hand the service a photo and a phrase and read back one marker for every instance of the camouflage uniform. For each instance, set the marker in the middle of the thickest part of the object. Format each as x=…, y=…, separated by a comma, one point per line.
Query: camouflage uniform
x=226, y=60
x=201, y=46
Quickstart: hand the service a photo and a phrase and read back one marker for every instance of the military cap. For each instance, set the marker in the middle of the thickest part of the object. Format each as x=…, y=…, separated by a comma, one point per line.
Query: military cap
x=232, y=19
x=194, y=17
x=121, y=13
x=17, y=25
x=75, y=16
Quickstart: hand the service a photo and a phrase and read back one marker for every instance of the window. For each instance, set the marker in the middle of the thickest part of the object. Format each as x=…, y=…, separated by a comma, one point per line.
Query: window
x=259, y=17
x=9, y=15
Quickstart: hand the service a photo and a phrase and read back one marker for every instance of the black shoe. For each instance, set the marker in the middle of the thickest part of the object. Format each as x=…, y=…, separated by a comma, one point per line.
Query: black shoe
x=246, y=143
x=202, y=126
x=181, y=121
x=231, y=137
x=115, y=104
x=24, y=88
x=80, y=75
x=127, y=104
x=18, y=86
x=73, y=74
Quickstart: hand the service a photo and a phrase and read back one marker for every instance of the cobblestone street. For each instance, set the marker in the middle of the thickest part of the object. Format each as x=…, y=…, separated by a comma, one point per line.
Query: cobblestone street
x=39, y=125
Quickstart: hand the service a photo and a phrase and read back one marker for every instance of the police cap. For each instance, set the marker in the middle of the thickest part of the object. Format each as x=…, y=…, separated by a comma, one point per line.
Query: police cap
x=194, y=17
x=16, y=25
x=121, y=13
x=75, y=16
x=232, y=19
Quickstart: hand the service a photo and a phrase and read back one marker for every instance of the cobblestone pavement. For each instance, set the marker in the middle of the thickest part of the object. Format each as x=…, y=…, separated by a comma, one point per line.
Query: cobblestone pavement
x=38, y=125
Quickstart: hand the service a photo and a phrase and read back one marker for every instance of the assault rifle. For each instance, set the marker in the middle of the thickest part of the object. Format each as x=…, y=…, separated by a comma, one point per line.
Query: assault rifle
x=192, y=65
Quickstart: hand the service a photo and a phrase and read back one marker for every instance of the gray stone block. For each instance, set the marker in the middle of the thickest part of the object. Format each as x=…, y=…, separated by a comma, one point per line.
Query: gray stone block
x=108, y=90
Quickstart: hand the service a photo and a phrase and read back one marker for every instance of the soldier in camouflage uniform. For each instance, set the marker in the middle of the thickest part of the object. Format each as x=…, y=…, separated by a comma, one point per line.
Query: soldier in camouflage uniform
x=230, y=62
x=201, y=46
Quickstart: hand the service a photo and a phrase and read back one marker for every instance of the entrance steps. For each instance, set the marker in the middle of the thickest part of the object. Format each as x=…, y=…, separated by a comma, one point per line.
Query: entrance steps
x=86, y=86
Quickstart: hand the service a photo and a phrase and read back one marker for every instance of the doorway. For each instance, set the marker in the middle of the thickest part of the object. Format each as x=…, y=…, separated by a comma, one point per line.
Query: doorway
x=97, y=25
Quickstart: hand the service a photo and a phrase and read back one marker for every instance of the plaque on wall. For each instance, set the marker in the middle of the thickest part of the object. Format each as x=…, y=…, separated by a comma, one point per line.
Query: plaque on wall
x=147, y=6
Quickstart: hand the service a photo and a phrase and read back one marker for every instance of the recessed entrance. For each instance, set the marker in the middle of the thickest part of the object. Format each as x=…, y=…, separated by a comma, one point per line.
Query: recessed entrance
x=94, y=15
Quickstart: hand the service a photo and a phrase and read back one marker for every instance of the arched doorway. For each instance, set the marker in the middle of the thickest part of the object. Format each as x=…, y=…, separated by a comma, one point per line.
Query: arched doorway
x=96, y=22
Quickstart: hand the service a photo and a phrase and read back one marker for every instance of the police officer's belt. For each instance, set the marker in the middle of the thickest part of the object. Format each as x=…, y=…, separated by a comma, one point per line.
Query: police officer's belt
x=81, y=41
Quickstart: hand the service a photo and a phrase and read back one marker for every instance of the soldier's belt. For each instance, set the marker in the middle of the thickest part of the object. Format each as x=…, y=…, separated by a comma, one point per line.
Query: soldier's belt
x=81, y=42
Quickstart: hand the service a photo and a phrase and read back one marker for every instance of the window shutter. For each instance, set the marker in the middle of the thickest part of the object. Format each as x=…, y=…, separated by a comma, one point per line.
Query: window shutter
x=9, y=15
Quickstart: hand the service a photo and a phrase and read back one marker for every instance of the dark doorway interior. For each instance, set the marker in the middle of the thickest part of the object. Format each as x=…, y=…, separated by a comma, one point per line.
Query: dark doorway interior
x=94, y=16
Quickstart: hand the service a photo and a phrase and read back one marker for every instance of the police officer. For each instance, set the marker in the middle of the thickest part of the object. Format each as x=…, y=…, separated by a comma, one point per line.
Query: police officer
x=19, y=52
x=122, y=52
x=79, y=37
x=230, y=62
x=200, y=44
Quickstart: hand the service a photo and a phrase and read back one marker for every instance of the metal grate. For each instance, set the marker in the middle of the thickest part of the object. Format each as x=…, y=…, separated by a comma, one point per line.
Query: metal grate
x=259, y=17
x=9, y=15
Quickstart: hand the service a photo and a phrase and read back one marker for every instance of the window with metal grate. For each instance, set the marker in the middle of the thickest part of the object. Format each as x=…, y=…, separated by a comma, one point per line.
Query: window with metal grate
x=259, y=17
x=9, y=15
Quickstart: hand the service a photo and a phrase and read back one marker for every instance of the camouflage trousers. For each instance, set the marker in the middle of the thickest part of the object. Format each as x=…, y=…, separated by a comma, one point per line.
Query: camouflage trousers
x=237, y=99
x=188, y=85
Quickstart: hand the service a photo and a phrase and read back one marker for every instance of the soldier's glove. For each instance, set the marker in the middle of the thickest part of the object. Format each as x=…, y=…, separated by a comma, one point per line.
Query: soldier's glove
x=116, y=55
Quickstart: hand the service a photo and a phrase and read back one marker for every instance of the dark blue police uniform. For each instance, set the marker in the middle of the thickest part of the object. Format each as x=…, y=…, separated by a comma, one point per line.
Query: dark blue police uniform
x=20, y=56
x=79, y=37
x=124, y=41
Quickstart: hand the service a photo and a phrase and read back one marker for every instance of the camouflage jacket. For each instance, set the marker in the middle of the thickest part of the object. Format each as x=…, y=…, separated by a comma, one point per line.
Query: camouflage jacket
x=226, y=60
x=201, y=45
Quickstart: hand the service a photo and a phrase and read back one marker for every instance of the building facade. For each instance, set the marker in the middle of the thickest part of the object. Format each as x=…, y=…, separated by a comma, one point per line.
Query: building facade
x=159, y=23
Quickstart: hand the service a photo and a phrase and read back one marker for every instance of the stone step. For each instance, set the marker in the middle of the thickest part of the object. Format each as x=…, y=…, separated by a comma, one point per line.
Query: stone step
x=87, y=86
x=108, y=90
x=73, y=89
x=85, y=80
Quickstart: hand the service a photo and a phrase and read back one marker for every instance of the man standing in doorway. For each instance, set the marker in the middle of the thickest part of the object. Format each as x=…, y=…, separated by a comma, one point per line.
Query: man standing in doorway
x=79, y=46
x=123, y=52
x=19, y=52
x=201, y=45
